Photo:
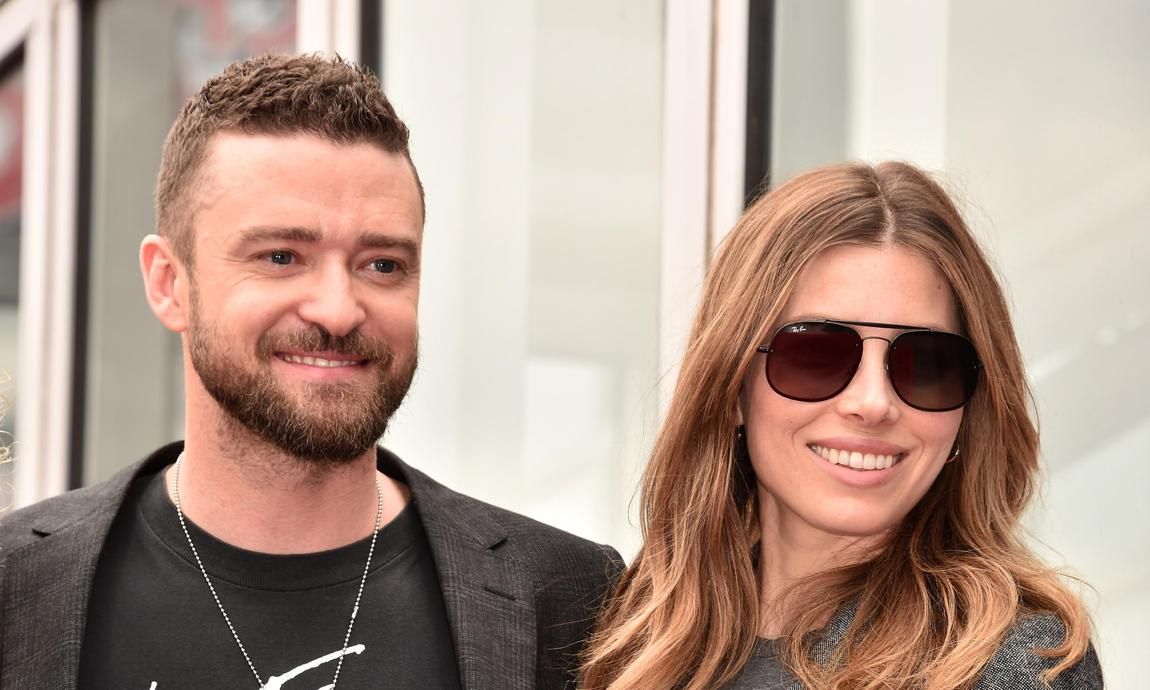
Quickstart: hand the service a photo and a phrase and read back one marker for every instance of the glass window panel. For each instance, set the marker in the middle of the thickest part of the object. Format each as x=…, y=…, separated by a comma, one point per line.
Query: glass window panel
x=211, y=34
x=536, y=127
x=11, y=189
x=149, y=57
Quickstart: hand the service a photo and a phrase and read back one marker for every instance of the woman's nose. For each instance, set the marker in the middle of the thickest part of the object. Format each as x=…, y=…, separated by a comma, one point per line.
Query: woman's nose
x=869, y=397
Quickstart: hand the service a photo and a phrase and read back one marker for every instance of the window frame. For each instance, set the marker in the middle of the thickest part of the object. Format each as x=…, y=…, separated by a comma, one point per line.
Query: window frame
x=44, y=35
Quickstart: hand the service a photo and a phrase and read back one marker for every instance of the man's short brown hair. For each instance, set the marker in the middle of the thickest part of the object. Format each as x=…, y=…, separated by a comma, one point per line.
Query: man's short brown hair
x=276, y=95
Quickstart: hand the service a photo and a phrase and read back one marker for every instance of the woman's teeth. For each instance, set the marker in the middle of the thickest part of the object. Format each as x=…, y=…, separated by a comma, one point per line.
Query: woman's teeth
x=856, y=460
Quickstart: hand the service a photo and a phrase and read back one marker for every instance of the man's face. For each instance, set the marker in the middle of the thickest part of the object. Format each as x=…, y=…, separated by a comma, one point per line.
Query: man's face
x=304, y=295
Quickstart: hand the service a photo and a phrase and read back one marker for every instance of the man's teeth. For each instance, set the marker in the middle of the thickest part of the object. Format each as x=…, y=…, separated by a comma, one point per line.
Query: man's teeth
x=856, y=460
x=319, y=361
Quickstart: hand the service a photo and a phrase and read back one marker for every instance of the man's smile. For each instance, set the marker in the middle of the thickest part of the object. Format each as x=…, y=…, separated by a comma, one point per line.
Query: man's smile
x=325, y=360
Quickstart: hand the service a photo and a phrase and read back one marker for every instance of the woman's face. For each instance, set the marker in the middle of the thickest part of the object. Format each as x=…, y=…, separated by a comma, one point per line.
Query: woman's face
x=790, y=441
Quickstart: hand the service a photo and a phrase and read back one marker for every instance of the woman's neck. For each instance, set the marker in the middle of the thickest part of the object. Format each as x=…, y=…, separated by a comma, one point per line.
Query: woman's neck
x=792, y=551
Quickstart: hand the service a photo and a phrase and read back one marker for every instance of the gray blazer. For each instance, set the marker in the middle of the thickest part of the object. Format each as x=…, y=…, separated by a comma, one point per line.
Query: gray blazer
x=520, y=596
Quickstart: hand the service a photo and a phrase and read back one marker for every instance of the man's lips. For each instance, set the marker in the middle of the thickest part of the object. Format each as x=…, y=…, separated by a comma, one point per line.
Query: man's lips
x=327, y=360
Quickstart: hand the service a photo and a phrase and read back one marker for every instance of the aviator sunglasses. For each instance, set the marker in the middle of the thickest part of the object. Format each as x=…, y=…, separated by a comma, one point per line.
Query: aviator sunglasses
x=812, y=361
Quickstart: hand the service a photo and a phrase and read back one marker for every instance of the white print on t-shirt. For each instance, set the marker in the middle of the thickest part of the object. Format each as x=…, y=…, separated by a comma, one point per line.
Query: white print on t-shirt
x=277, y=682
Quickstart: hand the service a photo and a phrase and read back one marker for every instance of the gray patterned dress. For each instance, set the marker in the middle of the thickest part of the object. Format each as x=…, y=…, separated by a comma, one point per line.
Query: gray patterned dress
x=1014, y=667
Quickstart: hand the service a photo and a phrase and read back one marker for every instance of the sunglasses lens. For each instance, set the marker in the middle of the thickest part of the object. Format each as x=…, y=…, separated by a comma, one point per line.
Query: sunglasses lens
x=934, y=372
x=813, y=361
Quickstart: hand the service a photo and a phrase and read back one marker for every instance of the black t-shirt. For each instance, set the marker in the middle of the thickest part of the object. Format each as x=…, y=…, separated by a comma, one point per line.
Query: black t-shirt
x=153, y=625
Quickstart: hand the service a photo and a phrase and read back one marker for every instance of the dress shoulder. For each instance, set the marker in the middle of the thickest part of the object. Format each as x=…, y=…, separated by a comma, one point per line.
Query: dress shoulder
x=1018, y=666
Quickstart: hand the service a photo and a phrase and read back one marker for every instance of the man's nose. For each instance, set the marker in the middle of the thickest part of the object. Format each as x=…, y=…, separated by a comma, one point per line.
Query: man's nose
x=333, y=301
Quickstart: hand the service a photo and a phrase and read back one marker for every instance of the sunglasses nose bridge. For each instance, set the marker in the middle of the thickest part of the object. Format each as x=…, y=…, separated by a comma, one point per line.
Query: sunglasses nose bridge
x=869, y=394
x=886, y=355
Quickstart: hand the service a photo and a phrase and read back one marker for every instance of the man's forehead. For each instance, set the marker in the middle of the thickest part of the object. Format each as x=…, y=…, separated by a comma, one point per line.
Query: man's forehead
x=255, y=145
x=228, y=150
x=267, y=159
x=238, y=163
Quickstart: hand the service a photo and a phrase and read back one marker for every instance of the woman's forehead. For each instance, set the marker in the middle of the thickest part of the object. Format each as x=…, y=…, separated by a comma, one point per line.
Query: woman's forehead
x=890, y=284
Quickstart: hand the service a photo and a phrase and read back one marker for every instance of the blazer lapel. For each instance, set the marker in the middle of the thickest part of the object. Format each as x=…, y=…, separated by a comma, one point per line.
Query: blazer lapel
x=488, y=597
x=490, y=608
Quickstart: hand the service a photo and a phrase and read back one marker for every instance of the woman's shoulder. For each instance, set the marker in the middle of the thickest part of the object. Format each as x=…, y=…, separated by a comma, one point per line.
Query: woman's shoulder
x=1018, y=666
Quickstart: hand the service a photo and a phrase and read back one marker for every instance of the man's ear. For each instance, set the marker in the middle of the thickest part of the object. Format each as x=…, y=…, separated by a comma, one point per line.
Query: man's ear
x=165, y=283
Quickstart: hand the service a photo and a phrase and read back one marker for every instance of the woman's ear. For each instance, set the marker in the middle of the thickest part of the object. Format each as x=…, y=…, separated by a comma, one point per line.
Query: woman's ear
x=165, y=283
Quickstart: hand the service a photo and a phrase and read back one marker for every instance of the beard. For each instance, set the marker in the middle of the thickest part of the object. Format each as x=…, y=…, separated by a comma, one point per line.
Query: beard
x=327, y=424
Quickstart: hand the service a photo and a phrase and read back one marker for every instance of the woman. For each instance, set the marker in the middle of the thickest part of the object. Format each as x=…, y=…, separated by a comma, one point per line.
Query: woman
x=834, y=498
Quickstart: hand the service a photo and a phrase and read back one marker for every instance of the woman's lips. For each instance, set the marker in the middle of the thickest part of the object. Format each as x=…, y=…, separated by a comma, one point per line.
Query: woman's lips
x=855, y=459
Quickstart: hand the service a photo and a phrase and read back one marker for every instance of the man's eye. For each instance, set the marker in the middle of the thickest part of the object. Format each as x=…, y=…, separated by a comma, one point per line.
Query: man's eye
x=384, y=266
x=281, y=257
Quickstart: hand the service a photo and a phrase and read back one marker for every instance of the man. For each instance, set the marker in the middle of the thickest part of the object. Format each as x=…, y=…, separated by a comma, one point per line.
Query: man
x=277, y=546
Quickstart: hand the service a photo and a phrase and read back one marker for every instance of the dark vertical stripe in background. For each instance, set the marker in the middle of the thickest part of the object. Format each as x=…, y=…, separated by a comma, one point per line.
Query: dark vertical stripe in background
x=760, y=67
x=371, y=35
x=80, y=304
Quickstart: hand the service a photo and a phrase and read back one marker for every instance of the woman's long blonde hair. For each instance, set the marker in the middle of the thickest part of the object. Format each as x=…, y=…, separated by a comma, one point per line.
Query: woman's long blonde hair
x=941, y=593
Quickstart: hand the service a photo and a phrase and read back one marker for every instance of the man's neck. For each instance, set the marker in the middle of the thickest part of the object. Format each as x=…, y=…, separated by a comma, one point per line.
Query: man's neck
x=251, y=495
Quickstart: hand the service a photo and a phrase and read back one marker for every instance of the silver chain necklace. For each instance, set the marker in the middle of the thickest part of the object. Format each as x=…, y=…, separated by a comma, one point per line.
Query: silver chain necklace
x=228, y=620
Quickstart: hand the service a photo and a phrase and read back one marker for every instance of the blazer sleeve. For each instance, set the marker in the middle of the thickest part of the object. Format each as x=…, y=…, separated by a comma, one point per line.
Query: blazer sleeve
x=568, y=602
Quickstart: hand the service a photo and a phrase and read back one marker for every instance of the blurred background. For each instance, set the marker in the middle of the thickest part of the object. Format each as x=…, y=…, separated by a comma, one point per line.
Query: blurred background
x=581, y=161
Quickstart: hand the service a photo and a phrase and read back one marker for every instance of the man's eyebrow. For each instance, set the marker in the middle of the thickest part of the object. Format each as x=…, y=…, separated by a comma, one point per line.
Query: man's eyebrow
x=286, y=234
x=378, y=240
x=372, y=240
